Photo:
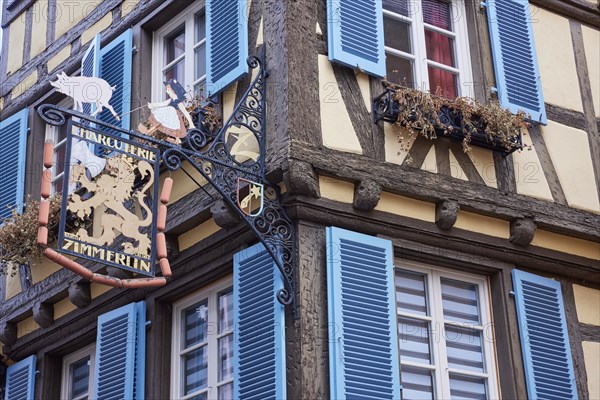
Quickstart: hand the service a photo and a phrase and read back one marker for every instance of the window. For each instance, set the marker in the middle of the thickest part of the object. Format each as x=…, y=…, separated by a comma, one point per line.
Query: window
x=426, y=45
x=202, y=353
x=180, y=53
x=445, y=333
x=77, y=373
x=58, y=135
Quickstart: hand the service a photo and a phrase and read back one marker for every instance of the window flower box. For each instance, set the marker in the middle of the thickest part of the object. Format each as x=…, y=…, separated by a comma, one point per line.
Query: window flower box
x=486, y=126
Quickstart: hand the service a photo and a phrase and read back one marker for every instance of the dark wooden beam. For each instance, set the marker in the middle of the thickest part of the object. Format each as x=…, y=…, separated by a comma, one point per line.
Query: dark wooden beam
x=366, y=195
x=589, y=333
x=476, y=245
x=43, y=314
x=587, y=99
x=301, y=178
x=564, y=116
x=80, y=294
x=522, y=231
x=418, y=152
x=541, y=150
x=442, y=156
x=505, y=173
x=359, y=115
x=434, y=187
x=466, y=164
x=575, y=339
x=581, y=10
x=8, y=332
x=223, y=215
x=446, y=213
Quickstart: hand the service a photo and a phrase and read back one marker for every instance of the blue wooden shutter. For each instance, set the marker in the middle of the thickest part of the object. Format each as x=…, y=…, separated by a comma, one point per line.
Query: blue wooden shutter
x=90, y=66
x=13, y=141
x=226, y=42
x=544, y=337
x=259, y=349
x=363, y=332
x=515, y=59
x=120, y=353
x=355, y=31
x=20, y=380
x=115, y=68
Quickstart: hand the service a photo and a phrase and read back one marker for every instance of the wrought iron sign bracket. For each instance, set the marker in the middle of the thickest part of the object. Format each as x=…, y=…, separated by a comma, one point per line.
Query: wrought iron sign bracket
x=232, y=160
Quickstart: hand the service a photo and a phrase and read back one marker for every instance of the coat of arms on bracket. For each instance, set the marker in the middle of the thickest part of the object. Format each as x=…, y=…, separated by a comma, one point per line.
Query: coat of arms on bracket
x=112, y=212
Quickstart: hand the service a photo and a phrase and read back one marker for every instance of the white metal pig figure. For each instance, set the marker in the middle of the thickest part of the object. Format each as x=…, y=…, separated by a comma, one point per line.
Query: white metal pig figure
x=83, y=89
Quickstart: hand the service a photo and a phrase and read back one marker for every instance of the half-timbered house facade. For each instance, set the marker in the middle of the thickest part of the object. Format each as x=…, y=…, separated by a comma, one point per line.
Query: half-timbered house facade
x=419, y=271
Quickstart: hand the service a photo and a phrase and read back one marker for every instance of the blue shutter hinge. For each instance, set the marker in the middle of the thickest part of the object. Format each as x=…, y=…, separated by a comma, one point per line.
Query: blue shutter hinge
x=134, y=49
x=482, y=5
x=28, y=131
x=37, y=372
x=148, y=323
x=494, y=89
x=511, y=293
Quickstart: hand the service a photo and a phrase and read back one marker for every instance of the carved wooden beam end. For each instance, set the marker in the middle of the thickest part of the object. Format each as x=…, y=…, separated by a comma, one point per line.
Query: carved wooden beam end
x=301, y=178
x=80, y=294
x=223, y=215
x=446, y=212
x=8, y=332
x=43, y=314
x=366, y=195
x=522, y=231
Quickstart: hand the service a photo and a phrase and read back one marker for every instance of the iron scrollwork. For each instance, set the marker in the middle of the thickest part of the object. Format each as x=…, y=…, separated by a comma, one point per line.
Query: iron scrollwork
x=212, y=154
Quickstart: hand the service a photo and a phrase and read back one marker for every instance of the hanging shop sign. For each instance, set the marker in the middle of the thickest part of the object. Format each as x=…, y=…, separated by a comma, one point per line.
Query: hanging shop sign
x=111, y=213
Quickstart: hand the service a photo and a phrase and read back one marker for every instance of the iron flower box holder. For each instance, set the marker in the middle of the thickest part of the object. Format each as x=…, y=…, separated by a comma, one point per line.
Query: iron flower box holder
x=448, y=122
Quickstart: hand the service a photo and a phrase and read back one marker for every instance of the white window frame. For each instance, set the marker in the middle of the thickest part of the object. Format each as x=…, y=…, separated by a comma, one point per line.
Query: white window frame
x=65, y=388
x=439, y=360
x=52, y=133
x=186, y=18
x=460, y=35
x=211, y=293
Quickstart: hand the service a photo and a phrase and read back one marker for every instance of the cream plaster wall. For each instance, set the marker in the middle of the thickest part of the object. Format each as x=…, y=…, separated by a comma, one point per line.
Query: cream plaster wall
x=570, y=153
x=338, y=132
x=591, y=43
x=529, y=175
x=95, y=29
x=229, y=101
x=182, y=184
x=336, y=189
x=556, y=59
x=16, y=43
x=406, y=207
x=484, y=164
x=591, y=356
x=587, y=302
x=430, y=162
x=25, y=84
x=13, y=282
x=198, y=234
x=566, y=244
x=39, y=31
x=43, y=269
x=260, y=39
x=365, y=89
x=26, y=326
x=393, y=152
x=58, y=58
x=98, y=290
x=63, y=307
x=456, y=170
x=128, y=6
x=482, y=224
x=70, y=13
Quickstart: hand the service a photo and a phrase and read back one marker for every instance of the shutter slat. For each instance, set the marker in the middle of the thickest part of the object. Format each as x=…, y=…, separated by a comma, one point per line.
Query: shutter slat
x=515, y=59
x=355, y=30
x=20, y=380
x=259, y=347
x=120, y=353
x=544, y=341
x=226, y=43
x=13, y=139
x=115, y=68
x=363, y=353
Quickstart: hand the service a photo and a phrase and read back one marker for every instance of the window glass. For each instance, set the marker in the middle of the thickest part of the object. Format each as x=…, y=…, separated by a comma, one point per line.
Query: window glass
x=203, y=345
x=80, y=377
x=77, y=374
x=441, y=323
